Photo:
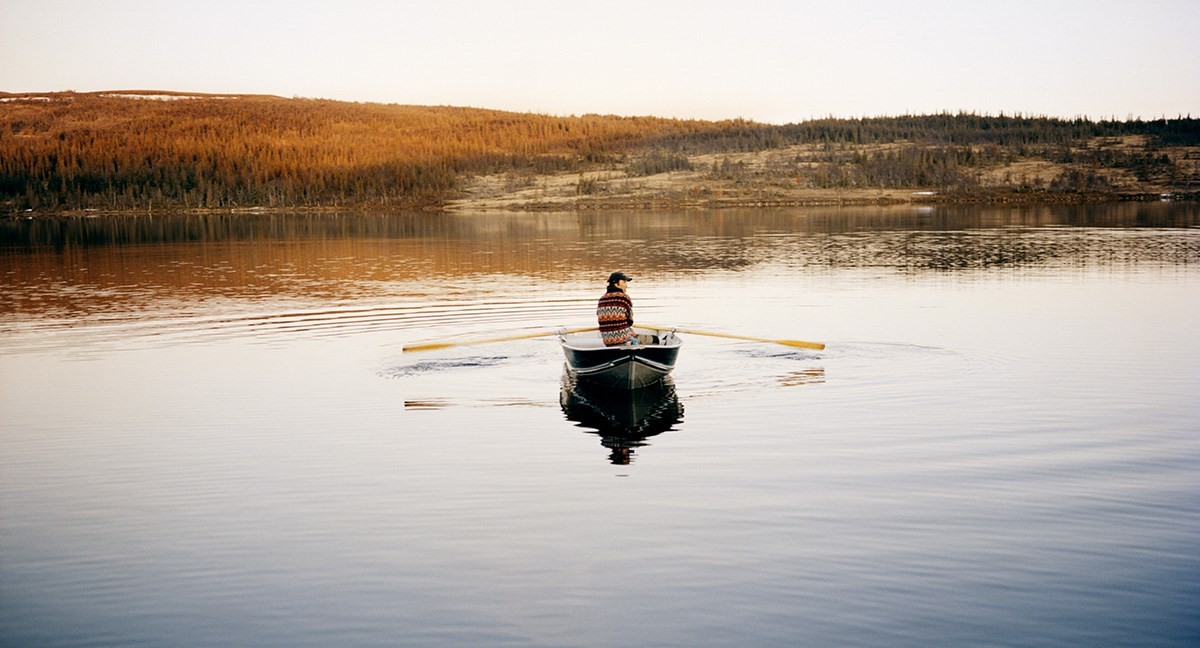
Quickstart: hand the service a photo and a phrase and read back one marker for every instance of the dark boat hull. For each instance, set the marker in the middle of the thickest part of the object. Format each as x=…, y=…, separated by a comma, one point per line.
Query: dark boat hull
x=621, y=367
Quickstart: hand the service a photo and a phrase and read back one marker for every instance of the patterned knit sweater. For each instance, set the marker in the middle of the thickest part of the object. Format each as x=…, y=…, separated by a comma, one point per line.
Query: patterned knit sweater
x=614, y=313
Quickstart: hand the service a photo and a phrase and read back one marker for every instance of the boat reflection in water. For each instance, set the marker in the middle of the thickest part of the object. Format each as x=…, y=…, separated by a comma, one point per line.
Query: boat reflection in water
x=623, y=418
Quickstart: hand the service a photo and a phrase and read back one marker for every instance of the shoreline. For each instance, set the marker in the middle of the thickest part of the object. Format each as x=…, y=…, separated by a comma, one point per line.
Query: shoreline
x=846, y=201
x=619, y=204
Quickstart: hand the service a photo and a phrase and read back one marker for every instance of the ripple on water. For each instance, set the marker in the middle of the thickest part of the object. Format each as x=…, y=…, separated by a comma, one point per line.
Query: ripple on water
x=217, y=321
x=423, y=367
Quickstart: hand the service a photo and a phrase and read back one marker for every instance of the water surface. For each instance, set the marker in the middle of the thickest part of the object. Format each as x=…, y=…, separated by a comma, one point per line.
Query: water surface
x=212, y=436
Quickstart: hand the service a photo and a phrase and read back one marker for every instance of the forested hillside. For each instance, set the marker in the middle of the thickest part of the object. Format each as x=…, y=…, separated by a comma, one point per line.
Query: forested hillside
x=150, y=150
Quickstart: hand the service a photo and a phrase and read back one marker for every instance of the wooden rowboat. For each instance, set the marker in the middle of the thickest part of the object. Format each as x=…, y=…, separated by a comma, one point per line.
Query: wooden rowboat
x=620, y=367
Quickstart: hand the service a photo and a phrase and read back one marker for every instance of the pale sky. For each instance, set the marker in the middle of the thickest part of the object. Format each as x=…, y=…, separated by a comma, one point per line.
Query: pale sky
x=766, y=60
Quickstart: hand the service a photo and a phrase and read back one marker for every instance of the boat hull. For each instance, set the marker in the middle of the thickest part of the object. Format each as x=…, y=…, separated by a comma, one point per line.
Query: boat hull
x=619, y=367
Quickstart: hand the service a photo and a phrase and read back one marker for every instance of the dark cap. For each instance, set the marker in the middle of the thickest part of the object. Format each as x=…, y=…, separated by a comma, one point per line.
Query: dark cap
x=618, y=276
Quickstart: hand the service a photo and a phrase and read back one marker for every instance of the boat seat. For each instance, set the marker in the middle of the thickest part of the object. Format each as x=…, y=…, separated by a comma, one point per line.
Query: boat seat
x=595, y=342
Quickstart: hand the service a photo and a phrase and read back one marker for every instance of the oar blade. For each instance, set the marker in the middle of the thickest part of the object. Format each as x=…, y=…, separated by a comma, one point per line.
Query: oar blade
x=802, y=344
x=427, y=347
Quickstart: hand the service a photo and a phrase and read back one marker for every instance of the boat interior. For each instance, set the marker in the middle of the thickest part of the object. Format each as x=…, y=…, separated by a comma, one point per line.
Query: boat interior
x=591, y=339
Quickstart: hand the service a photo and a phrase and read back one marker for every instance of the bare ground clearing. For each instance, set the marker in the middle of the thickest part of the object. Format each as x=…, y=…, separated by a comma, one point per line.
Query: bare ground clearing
x=784, y=177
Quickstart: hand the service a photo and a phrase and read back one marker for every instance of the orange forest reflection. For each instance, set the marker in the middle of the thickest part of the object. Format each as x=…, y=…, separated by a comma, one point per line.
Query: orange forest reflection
x=115, y=262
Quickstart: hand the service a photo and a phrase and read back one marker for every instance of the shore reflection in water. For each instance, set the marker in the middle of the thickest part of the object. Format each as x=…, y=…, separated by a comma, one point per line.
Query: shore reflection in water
x=623, y=419
x=210, y=434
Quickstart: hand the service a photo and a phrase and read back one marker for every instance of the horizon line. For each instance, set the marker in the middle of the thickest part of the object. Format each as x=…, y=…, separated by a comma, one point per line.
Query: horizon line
x=162, y=95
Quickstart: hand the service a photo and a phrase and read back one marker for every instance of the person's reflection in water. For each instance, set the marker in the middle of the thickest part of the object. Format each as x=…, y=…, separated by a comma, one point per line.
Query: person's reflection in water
x=624, y=419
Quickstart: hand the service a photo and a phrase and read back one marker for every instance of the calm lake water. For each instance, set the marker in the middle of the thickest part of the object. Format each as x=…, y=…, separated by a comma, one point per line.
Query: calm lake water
x=211, y=436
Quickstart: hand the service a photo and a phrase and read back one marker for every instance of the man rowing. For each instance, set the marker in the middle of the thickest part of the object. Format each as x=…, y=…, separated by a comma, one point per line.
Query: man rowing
x=614, y=313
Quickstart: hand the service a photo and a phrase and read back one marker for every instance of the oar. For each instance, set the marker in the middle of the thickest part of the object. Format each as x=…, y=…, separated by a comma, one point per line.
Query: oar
x=792, y=343
x=523, y=336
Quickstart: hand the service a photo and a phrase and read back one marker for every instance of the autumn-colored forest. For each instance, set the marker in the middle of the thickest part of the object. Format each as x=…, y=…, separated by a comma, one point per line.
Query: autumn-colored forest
x=146, y=150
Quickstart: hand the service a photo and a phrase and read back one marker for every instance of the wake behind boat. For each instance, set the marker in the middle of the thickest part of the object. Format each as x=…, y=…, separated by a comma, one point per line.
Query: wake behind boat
x=622, y=367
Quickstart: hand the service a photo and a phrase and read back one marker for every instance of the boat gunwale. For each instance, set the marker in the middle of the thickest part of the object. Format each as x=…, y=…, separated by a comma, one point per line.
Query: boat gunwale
x=674, y=343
